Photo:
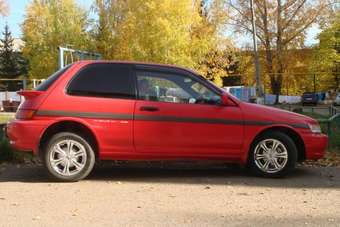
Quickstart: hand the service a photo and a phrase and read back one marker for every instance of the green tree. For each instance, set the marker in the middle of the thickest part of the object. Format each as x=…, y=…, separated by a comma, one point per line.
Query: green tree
x=12, y=63
x=8, y=59
x=326, y=62
x=49, y=24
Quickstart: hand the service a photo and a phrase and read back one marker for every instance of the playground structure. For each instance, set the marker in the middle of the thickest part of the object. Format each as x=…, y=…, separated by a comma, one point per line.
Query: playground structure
x=68, y=56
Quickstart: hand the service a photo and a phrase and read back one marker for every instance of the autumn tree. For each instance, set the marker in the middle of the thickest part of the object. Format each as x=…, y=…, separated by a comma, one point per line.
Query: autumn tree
x=106, y=31
x=160, y=32
x=49, y=24
x=220, y=59
x=179, y=32
x=281, y=25
x=219, y=63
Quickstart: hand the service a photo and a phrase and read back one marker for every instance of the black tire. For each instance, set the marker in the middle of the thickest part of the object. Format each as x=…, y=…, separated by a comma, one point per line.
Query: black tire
x=88, y=162
x=291, y=151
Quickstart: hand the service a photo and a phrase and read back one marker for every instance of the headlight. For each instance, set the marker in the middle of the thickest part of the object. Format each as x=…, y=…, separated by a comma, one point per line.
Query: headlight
x=315, y=127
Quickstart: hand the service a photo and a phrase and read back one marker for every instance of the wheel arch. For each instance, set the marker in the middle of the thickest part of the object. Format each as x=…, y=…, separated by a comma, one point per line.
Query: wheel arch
x=294, y=135
x=67, y=125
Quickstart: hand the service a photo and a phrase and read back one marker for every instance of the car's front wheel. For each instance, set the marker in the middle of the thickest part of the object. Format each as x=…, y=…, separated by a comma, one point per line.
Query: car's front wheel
x=68, y=157
x=273, y=154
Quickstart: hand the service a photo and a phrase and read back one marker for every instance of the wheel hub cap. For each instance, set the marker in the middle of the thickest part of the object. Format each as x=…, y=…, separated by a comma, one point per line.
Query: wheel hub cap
x=270, y=155
x=68, y=157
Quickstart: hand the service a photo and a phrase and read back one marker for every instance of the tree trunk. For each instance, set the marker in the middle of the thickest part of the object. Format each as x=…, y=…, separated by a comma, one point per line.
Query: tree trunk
x=268, y=48
x=279, y=53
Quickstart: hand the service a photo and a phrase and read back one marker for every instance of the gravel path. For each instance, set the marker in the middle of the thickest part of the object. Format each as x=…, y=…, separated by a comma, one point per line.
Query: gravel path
x=170, y=197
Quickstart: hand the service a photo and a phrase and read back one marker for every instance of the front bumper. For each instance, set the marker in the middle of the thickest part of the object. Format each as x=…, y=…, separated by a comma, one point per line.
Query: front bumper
x=315, y=145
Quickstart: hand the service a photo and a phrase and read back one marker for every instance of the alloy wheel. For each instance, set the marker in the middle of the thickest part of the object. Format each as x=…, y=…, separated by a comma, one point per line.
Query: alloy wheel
x=270, y=155
x=68, y=157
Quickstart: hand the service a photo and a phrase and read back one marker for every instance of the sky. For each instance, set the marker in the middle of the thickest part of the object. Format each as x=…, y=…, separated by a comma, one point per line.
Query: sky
x=17, y=12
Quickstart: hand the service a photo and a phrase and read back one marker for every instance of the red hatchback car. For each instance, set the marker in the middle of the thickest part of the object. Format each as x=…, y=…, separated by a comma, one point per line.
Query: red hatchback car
x=99, y=110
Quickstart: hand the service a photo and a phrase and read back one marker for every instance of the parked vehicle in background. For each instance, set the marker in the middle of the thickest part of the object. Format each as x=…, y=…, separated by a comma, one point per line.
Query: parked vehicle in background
x=337, y=100
x=99, y=110
x=309, y=98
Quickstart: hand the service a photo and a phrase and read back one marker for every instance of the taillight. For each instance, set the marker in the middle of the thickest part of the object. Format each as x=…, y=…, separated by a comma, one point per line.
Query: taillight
x=24, y=114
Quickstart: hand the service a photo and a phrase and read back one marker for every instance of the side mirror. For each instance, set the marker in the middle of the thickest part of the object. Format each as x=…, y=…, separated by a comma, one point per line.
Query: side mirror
x=226, y=100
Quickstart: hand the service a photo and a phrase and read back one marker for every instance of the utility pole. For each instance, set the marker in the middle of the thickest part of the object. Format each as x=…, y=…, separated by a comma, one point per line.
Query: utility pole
x=256, y=56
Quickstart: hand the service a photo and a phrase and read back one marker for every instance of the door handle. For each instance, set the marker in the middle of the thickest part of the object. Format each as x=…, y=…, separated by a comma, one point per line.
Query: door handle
x=149, y=108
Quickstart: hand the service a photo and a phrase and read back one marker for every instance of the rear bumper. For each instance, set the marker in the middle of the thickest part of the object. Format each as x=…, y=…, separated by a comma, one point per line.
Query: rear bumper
x=315, y=145
x=24, y=135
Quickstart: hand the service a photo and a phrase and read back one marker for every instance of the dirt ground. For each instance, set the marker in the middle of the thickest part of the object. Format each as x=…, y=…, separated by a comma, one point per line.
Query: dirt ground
x=154, y=196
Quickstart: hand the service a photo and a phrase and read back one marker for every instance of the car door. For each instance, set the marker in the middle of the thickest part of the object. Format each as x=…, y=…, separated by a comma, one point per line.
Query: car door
x=103, y=96
x=176, y=114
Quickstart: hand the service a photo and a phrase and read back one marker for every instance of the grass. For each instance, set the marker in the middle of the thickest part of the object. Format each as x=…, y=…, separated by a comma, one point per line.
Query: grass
x=7, y=154
x=5, y=118
x=316, y=116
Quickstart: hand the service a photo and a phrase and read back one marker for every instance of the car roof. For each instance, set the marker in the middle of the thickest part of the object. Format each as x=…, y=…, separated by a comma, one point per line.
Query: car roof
x=146, y=65
x=138, y=63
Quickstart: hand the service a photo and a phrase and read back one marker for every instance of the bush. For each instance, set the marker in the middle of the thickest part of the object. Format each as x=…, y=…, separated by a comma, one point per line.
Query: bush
x=6, y=152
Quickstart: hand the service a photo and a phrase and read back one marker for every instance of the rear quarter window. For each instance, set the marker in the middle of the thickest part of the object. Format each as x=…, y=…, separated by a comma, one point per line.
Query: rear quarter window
x=103, y=80
x=46, y=84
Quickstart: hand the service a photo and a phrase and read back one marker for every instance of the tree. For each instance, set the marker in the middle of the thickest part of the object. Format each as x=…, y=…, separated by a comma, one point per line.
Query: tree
x=160, y=32
x=9, y=65
x=111, y=14
x=220, y=59
x=219, y=63
x=12, y=64
x=326, y=60
x=281, y=25
x=169, y=31
x=49, y=24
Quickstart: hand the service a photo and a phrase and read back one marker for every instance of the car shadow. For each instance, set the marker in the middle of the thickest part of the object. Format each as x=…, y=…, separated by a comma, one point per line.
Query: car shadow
x=302, y=177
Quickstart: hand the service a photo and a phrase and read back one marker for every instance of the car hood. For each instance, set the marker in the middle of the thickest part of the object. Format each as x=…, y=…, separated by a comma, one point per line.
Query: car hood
x=270, y=114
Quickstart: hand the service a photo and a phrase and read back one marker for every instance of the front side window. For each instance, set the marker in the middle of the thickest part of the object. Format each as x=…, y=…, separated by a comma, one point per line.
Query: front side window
x=168, y=87
x=103, y=80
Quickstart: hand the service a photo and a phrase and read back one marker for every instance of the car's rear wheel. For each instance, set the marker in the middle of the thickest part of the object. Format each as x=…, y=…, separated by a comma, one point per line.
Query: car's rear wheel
x=273, y=154
x=68, y=157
